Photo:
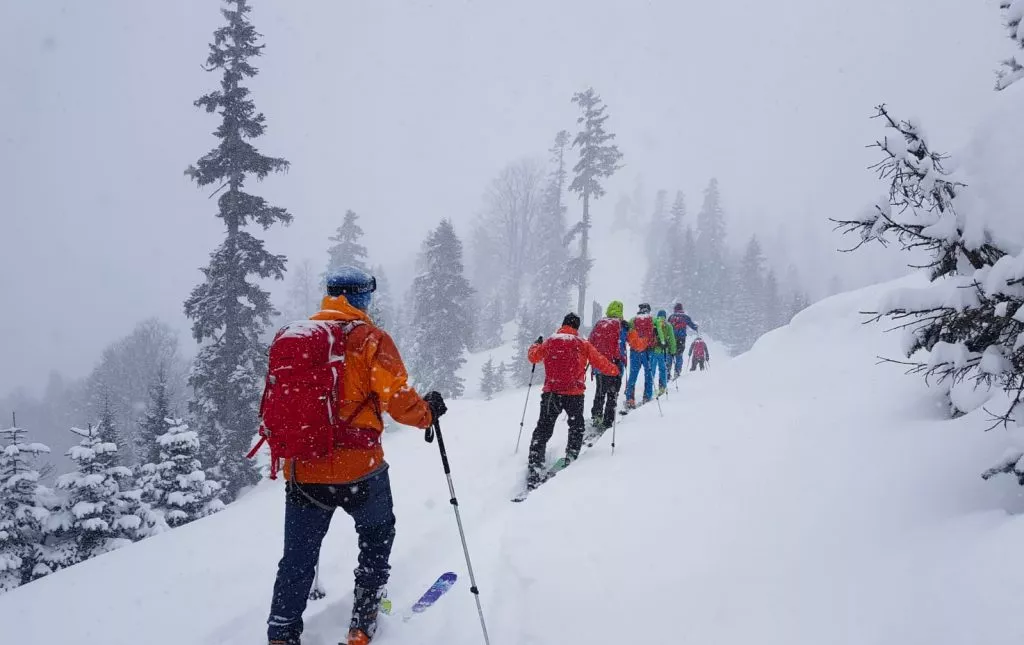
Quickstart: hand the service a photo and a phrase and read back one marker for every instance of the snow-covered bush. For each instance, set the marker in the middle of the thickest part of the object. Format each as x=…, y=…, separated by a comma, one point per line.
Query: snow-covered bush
x=99, y=513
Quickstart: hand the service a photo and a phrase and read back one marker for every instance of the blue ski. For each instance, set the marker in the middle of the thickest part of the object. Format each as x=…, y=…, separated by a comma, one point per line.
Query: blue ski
x=444, y=582
x=438, y=589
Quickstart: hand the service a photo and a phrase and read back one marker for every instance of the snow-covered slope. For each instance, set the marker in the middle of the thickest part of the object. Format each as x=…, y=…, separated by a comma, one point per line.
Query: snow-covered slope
x=799, y=494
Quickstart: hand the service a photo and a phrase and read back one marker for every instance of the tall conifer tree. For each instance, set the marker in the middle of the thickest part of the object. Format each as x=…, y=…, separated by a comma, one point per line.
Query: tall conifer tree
x=229, y=310
x=599, y=159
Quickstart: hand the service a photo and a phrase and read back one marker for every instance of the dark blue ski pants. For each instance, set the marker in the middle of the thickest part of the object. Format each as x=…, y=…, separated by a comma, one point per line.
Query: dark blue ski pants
x=307, y=516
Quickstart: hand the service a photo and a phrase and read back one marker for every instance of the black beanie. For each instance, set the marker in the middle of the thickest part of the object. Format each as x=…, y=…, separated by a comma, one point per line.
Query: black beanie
x=571, y=320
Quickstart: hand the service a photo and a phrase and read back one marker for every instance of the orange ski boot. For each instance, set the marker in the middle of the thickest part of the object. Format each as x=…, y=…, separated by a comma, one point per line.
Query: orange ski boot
x=357, y=637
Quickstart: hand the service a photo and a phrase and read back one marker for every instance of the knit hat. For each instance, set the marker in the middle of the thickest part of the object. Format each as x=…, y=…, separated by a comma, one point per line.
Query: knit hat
x=645, y=308
x=352, y=282
x=614, y=309
x=571, y=320
x=678, y=308
x=661, y=313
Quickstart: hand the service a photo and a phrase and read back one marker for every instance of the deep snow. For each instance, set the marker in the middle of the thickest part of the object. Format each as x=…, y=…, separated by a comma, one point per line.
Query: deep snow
x=799, y=494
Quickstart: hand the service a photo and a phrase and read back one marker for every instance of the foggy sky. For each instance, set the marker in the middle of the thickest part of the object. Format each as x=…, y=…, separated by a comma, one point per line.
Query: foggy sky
x=404, y=110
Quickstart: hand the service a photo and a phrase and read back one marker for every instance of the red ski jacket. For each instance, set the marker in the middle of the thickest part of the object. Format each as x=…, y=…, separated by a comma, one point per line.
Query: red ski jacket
x=566, y=357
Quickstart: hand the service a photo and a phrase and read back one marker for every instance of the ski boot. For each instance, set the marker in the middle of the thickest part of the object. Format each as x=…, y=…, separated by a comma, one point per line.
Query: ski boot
x=365, y=606
x=357, y=637
x=287, y=641
x=661, y=391
x=630, y=404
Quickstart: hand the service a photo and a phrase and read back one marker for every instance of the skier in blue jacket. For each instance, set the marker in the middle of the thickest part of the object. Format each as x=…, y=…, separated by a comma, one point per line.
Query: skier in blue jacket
x=679, y=321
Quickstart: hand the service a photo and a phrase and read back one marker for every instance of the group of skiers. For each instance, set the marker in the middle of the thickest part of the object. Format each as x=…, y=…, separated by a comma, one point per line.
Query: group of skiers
x=654, y=344
x=331, y=378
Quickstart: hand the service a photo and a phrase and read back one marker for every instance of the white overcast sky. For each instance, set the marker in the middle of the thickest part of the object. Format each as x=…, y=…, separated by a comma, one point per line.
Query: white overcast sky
x=403, y=110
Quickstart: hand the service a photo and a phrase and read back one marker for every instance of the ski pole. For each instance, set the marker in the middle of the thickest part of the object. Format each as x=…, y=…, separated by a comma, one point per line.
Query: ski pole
x=525, y=403
x=458, y=519
x=657, y=400
x=615, y=423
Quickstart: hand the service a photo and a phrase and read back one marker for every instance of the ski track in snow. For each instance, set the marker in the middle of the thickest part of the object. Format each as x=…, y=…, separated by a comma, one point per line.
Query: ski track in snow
x=799, y=494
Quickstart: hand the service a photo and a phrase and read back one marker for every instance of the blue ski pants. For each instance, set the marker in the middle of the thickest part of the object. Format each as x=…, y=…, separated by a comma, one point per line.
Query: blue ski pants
x=636, y=361
x=677, y=362
x=307, y=516
x=659, y=365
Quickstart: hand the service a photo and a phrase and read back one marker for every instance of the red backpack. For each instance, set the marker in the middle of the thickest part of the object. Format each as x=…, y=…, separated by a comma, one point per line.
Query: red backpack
x=304, y=387
x=605, y=338
x=642, y=334
x=698, y=350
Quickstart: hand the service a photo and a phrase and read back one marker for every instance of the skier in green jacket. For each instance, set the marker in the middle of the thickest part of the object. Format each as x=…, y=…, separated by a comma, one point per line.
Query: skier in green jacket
x=664, y=346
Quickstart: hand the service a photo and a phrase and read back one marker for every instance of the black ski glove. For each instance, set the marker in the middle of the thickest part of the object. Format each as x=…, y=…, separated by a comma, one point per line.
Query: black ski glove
x=539, y=341
x=436, y=403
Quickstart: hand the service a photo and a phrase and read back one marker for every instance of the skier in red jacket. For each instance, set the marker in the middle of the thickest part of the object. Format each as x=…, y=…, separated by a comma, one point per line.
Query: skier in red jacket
x=566, y=357
x=700, y=354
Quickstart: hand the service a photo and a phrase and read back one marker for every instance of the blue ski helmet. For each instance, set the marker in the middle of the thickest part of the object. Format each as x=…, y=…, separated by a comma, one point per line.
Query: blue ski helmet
x=355, y=284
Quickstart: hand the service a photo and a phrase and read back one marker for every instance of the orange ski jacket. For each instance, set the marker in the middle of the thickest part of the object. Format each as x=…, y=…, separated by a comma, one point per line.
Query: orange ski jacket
x=375, y=382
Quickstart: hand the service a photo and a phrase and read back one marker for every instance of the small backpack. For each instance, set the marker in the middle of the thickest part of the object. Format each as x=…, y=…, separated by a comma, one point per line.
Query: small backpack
x=698, y=350
x=641, y=337
x=605, y=338
x=678, y=322
x=304, y=387
x=661, y=331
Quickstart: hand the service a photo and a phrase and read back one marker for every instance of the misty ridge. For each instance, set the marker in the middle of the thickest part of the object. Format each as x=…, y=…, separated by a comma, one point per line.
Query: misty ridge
x=173, y=207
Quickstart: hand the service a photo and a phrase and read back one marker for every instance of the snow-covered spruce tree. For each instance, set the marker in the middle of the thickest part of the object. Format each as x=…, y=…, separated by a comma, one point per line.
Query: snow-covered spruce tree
x=23, y=508
x=347, y=249
x=550, y=292
x=107, y=427
x=177, y=485
x=155, y=422
x=688, y=267
x=490, y=324
x=658, y=224
x=711, y=289
x=499, y=377
x=487, y=379
x=1012, y=71
x=771, y=307
x=442, y=320
x=665, y=247
x=967, y=323
x=748, y=291
x=96, y=516
x=797, y=303
x=599, y=159
x=382, y=308
x=230, y=312
x=527, y=331
x=304, y=291
x=679, y=257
